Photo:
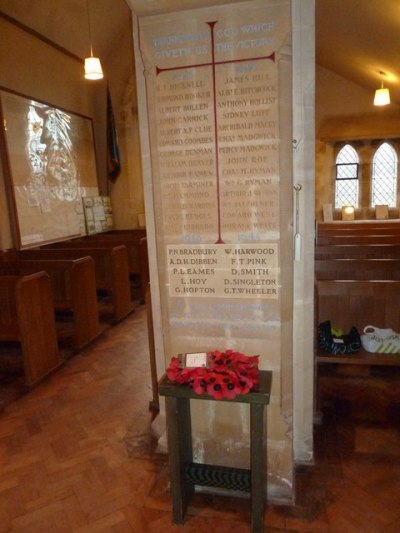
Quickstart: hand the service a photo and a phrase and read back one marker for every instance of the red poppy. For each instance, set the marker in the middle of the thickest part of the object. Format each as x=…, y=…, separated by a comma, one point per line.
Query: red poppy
x=231, y=385
x=229, y=373
x=176, y=373
x=199, y=380
x=221, y=362
x=216, y=385
x=246, y=382
x=173, y=369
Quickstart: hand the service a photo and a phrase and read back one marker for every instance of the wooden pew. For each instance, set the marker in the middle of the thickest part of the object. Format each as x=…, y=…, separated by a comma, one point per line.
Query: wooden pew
x=358, y=303
x=357, y=269
x=137, y=256
x=27, y=317
x=366, y=227
x=136, y=244
x=357, y=232
x=74, y=290
x=111, y=272
x=371, y=238
x=133, y=233
x=393, y=224
x=358, y=251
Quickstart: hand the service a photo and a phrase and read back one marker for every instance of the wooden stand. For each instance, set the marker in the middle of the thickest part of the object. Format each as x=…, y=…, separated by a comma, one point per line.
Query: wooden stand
x=185, y=474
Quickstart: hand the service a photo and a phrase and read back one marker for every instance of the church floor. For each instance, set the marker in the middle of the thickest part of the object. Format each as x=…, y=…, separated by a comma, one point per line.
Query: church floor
x=76, y=454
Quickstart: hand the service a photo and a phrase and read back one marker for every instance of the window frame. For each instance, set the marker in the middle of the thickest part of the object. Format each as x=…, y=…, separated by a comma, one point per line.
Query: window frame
x=394, y=203
x=356, y=178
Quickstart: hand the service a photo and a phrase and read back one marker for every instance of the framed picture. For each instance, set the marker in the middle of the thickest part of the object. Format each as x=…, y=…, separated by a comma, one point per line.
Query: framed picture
x=49, y=163
x=98, y=214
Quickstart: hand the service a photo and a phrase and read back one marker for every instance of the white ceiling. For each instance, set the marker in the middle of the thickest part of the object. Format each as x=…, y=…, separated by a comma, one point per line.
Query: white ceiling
x=359, y=38
x=354, y=38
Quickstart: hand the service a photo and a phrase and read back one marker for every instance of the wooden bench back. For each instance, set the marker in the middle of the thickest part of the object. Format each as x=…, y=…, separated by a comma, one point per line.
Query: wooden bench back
x=357, y=269
x=358, y=303
x=360, y=230
x=102, y=257
x=365, y=226
x=111, y=267
x=68, y=277
x=358, y=251
x=132, y=241
x=136, y=250
x=73, y=287
x=136, y=244
x=359, y=239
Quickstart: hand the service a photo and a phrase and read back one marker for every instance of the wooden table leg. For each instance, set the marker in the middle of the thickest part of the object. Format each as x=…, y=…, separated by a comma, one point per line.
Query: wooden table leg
x=180, y=452
x=185, y=474
x=257, y=467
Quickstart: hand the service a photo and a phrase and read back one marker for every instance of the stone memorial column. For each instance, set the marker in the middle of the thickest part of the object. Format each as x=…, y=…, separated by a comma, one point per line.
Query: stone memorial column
x=218, y=97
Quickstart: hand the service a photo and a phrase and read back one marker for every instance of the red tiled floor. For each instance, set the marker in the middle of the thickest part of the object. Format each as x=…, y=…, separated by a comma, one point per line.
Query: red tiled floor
x=77, y=454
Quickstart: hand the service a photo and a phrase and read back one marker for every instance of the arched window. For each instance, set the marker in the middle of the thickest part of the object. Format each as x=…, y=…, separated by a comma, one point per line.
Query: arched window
x=384, y=176
x=346, y=188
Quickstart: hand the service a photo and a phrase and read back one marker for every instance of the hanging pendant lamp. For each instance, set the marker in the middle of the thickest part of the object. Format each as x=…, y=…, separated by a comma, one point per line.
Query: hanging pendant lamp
x=93, y=70
x=382, y=95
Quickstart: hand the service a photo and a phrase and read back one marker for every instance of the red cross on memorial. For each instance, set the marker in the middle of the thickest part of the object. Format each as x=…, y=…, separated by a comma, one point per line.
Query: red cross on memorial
x=213, y=63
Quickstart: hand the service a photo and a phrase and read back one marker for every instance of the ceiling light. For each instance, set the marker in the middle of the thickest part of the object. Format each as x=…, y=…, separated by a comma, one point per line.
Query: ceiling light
x=382, y=96
x=93, y=70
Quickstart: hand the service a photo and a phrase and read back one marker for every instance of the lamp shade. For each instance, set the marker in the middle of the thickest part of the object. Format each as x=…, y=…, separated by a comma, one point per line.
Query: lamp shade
x=93, y=70
x=382, y=97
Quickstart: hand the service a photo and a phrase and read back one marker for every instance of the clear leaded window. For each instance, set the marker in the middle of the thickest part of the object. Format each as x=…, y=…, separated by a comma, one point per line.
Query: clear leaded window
x=384, y=176
x=346, y=189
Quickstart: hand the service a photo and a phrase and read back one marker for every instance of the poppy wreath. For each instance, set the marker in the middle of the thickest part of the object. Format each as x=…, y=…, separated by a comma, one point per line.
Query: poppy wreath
x=227, y=375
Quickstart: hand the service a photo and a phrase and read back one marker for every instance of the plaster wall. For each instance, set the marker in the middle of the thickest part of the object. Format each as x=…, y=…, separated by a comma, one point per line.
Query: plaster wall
x=126, y=192
x=345, y=112
x=33, y=68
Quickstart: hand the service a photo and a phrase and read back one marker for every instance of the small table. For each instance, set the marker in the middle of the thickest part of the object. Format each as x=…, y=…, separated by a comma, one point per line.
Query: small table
x=185, y=474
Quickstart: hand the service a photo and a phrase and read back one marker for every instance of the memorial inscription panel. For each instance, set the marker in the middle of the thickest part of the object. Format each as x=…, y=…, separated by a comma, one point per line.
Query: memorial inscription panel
x=212, y=81
x=223, y=271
